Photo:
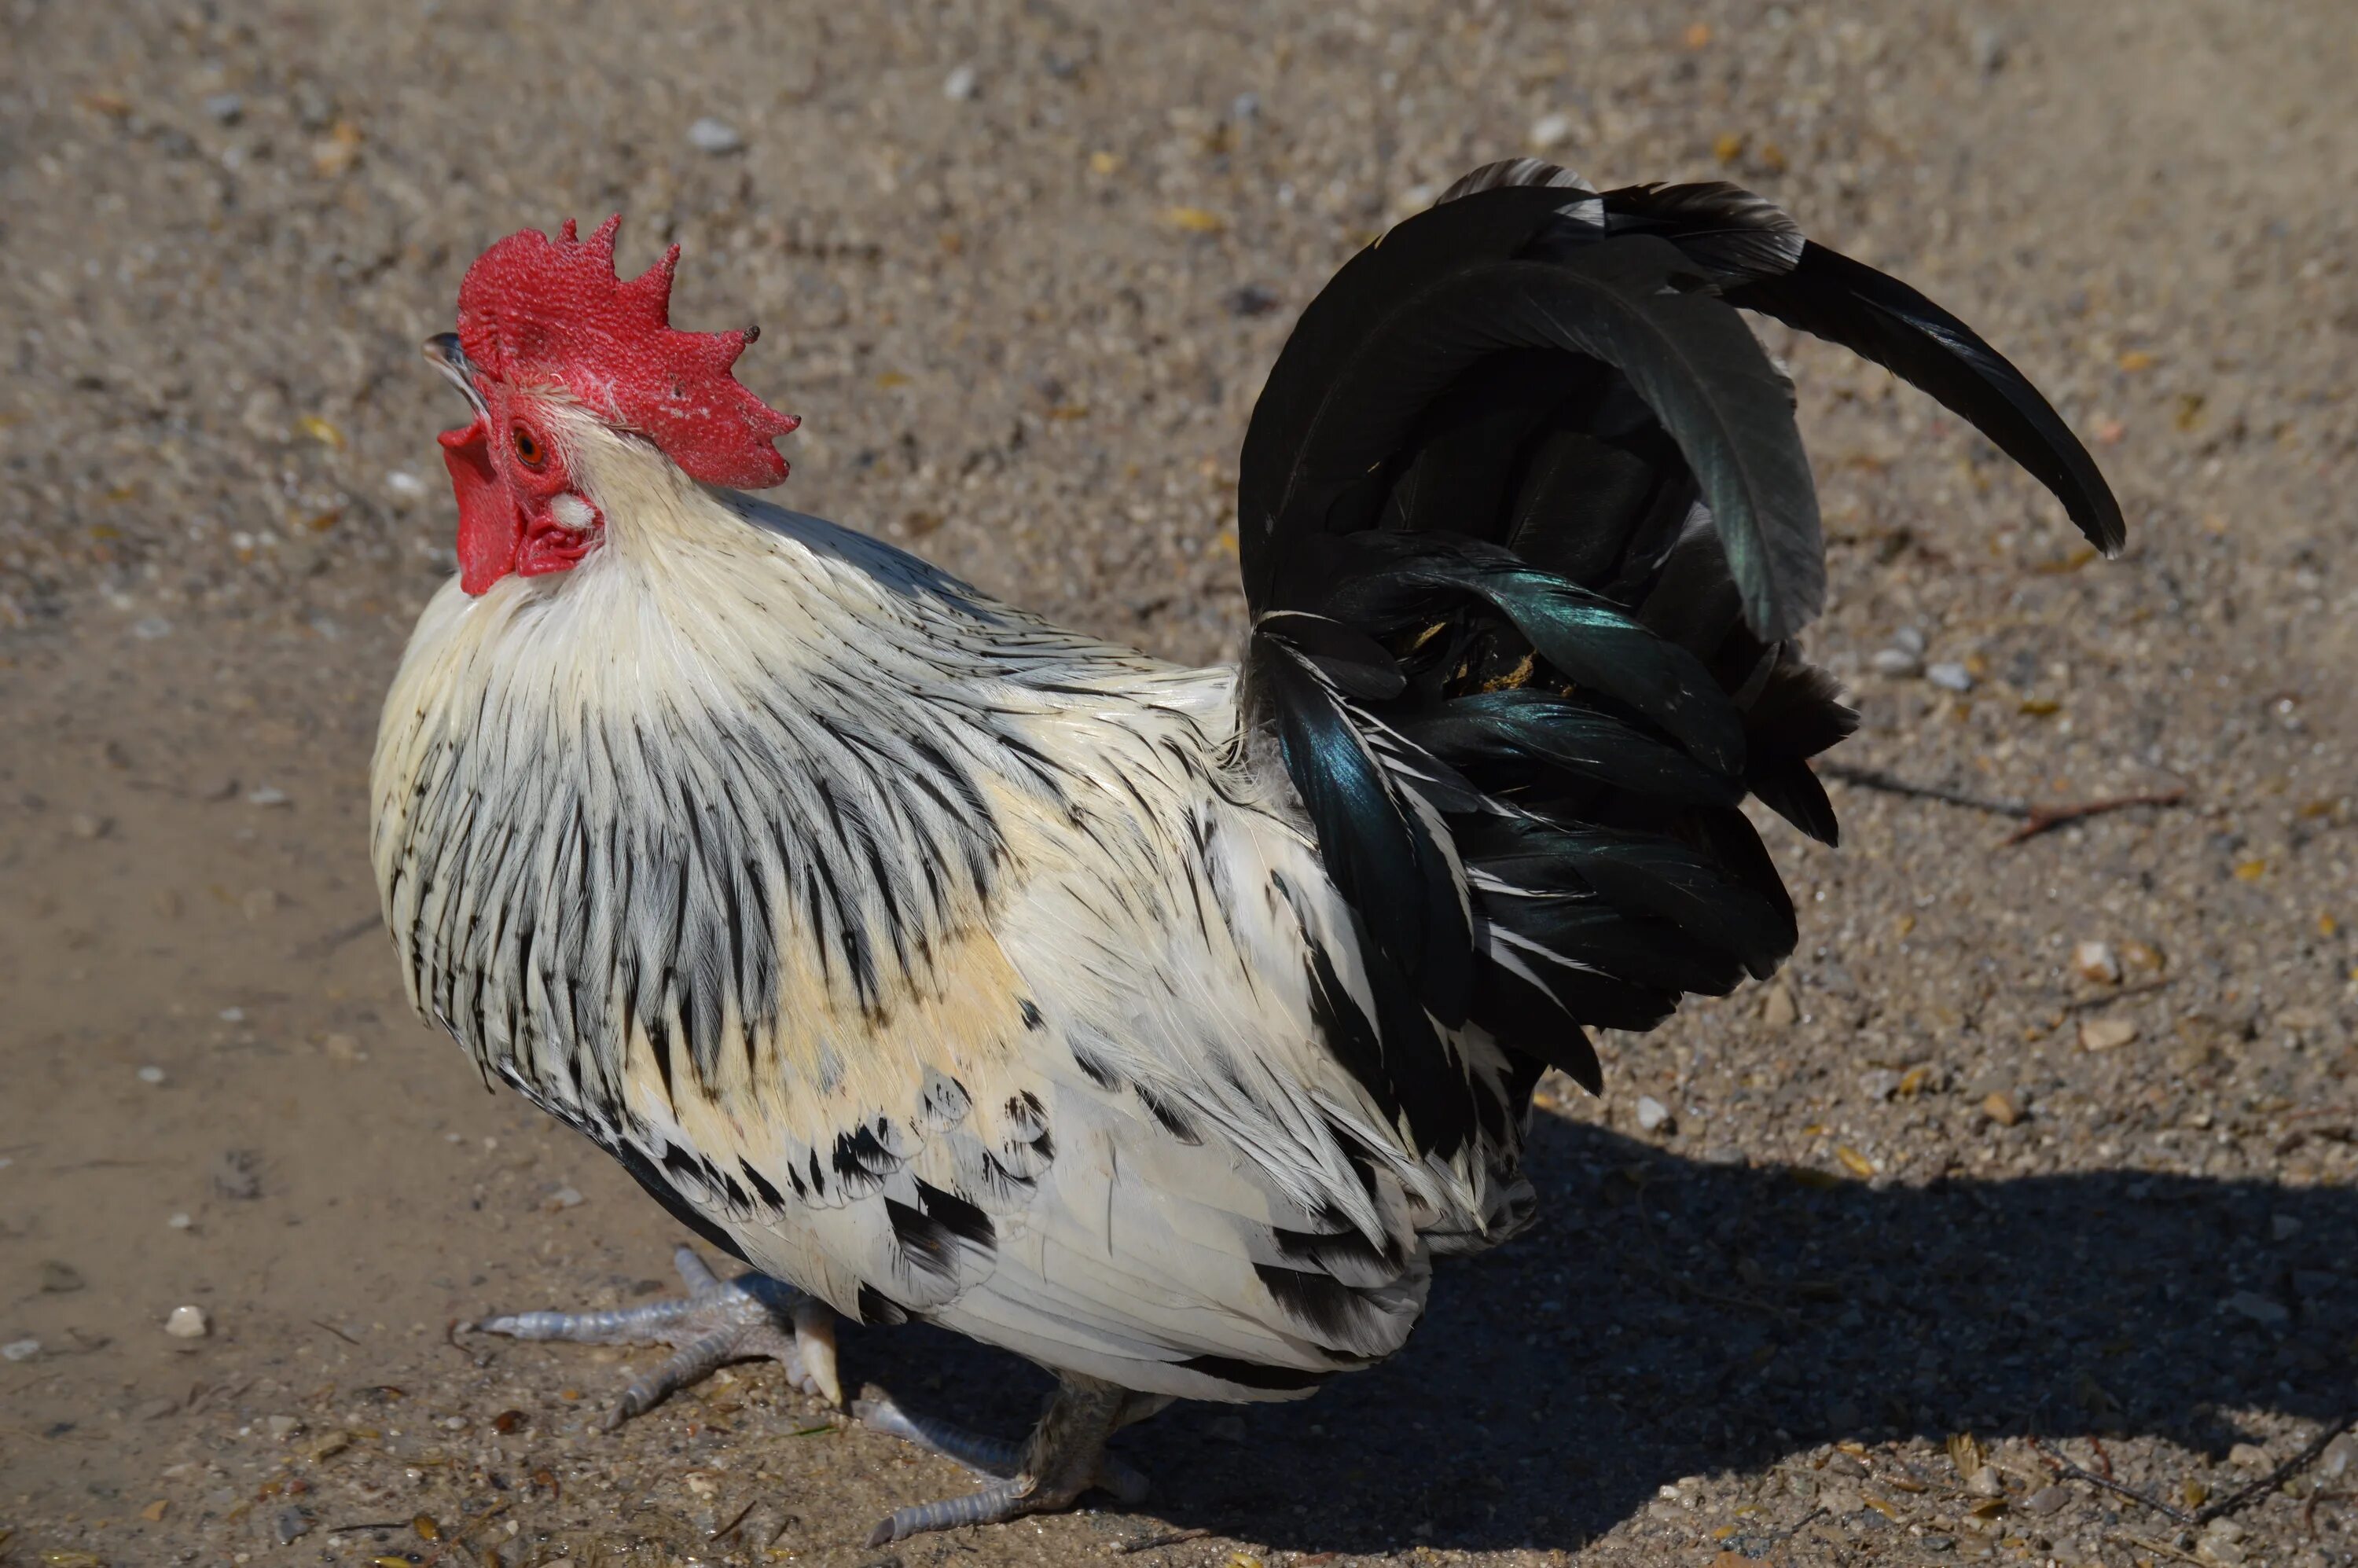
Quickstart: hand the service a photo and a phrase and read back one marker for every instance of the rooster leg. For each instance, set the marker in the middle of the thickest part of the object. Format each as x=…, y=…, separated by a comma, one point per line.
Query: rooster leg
x=1063, y=1457
x=720, y=1320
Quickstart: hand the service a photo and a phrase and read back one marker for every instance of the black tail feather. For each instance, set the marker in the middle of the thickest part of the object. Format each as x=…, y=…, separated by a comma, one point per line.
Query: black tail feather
x=1527, y=530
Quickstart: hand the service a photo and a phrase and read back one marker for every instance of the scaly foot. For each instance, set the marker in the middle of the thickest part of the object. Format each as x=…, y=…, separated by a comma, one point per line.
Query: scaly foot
x=1065, y=1456
x=742, y=1319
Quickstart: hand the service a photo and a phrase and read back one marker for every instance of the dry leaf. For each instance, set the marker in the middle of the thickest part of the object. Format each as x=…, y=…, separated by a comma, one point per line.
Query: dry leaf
x=2137, y=360
x=1728, y=146
x=2001, y=1109
x=1856, y=1163
x=1105, y=163
x=1195, y=220
x=320, y=430
x=2251, y=870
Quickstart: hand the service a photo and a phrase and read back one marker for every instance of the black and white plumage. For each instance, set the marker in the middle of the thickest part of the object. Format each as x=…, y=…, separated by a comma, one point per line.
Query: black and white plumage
x=1162, y=1025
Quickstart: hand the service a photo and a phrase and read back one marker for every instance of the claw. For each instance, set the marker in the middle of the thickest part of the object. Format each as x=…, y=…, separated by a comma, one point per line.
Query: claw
x=815, y=1348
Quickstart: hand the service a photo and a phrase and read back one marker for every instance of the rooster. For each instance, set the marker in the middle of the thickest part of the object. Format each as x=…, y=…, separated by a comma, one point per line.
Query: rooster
x=1162, y=1025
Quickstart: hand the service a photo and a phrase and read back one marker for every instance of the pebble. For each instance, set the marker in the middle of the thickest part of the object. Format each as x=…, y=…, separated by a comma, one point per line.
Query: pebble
x=237, y=1174
x=1986, y=1482
x=2249, y=1457
x=20, y=1350
x=2047, y=1500
x=404, y=484
x=1897, y=663
x=1950, y=676
x=2283, y=1227
x=1878, y=1082
x=565, y=1197
x=959, y=84
x=344, y=1048
x=715, y=137
x=259, y=903
x=59, y=1279
x=2107, y=1034
x=1989, y=50
x=147, y=628
x=188, y=1323
x=1550, y=131
x=2002, y=1107
x=283, y=1427
x=291, y=1525
x=85, y=825
x=269, y=794
x=151, y=1074
x=2260, y=1309
x=181, y=1222
x=1777, y=1009
x=1653, y=1115
x=227, y=108
x=2095, y=963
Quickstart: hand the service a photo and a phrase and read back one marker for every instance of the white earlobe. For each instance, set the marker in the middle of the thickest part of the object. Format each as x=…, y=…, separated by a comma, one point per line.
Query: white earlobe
x=572, y=512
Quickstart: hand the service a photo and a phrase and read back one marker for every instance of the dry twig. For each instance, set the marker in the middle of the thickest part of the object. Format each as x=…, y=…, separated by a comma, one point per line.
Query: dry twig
x=2197, y=1518
x=2035, y=820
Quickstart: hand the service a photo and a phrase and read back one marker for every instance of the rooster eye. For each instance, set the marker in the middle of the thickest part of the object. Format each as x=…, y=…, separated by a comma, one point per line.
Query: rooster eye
x=528, y=450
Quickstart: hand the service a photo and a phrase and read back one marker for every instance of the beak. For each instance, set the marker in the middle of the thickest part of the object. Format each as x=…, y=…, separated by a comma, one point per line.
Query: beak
x=443, y=352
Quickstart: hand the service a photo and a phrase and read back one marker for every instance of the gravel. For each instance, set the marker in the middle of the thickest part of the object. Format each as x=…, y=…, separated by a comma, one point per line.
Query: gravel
x=226, y=508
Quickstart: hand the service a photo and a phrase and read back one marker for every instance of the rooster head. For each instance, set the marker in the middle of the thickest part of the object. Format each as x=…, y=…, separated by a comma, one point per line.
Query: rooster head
x=548, y=336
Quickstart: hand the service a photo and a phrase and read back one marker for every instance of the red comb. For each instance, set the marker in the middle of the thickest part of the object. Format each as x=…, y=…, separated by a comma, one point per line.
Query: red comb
x=533, y=309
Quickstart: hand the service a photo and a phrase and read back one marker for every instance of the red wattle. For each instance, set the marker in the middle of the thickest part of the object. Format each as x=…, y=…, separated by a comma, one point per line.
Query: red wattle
x=489, y=529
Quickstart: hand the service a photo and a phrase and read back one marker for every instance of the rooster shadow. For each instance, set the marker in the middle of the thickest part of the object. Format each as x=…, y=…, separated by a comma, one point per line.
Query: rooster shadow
x=1671, y=1317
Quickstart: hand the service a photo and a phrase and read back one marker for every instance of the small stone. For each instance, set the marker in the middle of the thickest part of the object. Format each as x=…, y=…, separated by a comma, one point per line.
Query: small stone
x=1910, y=640
x=2047, y=1500
x=405, y=485
x=960, y=84
x=2340, y=1455
x=2260, y=1309
x=1550, y=131
x=268, y=795
x=344, y=1048
x=85, y=825
x=148, y=628
x=1226, y=1429
x=715, y=137
x=2002, y=1107
x=151, y=1074
x=20, y=1350
x=231, y=1015
x=1252, y=299
x=2283, y=1227
x=1653, y=1115
x=291, y=1525
x=1878, y=1082
x=1950, y=676
x=1778, y=1008
x=282, y=1427
x=2224, y=1529
x=227, y=108
x=59, y=1279
x=2094, y=962
x=188, y=1323
x=565, y=1197
x=1986, y=1482
x=1989, y=50
x=181, y=1222
x=1896, y=663
x=259, y=903
x=237, y=1174
x=2250, y=1457
x=2107, y=1034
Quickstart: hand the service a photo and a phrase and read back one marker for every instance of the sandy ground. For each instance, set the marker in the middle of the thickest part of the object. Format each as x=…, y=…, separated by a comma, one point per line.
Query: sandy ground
x=1022, y=267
